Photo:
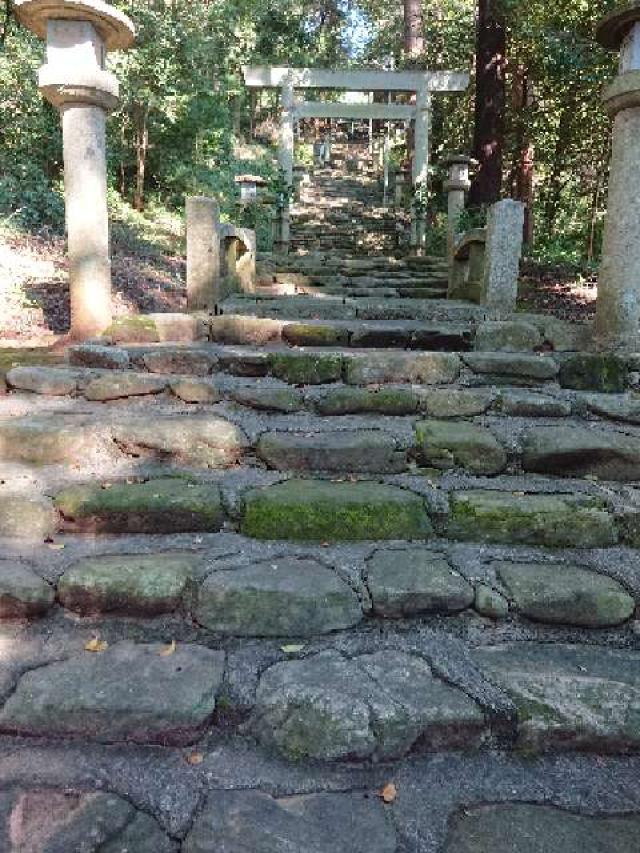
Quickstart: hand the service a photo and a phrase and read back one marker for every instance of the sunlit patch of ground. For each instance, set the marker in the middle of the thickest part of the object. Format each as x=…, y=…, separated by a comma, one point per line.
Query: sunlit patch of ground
x=562, y=293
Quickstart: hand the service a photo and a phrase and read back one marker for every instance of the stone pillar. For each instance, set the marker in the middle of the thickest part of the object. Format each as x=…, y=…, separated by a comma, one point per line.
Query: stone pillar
x=203, y=253
x=456, y=187
x=285, y=161
x=421, y=161
x=503, y=249
x=78, y=35
x=617, y=325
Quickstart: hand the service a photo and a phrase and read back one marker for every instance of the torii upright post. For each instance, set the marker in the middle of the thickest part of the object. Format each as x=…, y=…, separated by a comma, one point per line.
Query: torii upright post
x=78, y=35
x=421, y=166
x=285, y=160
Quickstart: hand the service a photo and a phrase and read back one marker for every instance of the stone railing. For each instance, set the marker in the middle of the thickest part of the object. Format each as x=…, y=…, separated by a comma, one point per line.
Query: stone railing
x=485, y=262
x=221, y=258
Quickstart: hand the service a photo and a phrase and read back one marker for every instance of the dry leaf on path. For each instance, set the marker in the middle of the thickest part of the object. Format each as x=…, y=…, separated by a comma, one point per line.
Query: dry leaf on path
x=389, y=793
x=168, y=650
x=96, y=645
x=194, y=758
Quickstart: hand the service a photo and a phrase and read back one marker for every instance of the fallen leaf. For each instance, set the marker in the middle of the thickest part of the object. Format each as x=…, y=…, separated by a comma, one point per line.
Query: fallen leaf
x=389, y=793
x=292, y=648
x=96, y=645
x=168, y=650
x=518, y=494
x=56, y=546
x=324, y=544
x=107, y=485
x=195, y=758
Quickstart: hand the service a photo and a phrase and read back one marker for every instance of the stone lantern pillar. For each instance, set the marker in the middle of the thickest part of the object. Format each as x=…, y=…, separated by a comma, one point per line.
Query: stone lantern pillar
x=78, y=35
x=456, y=187
x=617, y=324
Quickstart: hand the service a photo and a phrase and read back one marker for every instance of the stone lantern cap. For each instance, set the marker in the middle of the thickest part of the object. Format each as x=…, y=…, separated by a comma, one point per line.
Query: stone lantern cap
x=461, y=159
x=113, y=26
x=614, y=28
x=258, y=180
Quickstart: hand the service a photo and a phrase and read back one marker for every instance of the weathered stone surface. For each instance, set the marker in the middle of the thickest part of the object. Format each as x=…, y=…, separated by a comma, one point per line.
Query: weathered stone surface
x=381, y=335
x=581, y=697
x=526, y=404
x=244, y=362
x=318, y=510
x=129, y=692
x=24, y=516
x=604, y=372
x=519, y=366
x=580, y=451
x=157, y=506
x=625, y=408
x=269, y=399
x=432, y=368
x=499, y=289
x=458, y=403
x=196, y=390
x=60, y=821
x=507, y=336
x=51, y=381
x=236, y=329
x=446, y=444
x=153, y=328
x=49, y=440
x=120, y=385
x=554, y=521
x=130, y=583
x=344, y=451
x=402, y=583
x=183, y=360
x=316, y=335
x=526, y=828
x=306, y=368
x=23, y=593
x=567, y=595
x=201, y=440
x=253, y=822
x=330, y=708
x=490, y=603
x=384, y=401
x=276, y=598
x=109, y=358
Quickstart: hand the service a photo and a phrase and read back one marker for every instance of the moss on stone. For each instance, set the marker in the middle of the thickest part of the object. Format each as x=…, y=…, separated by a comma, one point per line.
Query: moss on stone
x=385, y=401
x=135, y=328
x=317, y=510
x=312, y=335
x=157, y=506
x=547, y=520
x=603, y=372
x=306, y=368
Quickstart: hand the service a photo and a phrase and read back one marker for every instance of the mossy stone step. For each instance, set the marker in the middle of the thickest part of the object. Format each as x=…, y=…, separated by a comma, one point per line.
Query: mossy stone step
x=569, y=696
x=319, y=510
x=446, y=444
x=581, y=451
x=128, y=692
x=280, y=597
x=374, y=706
x=129, y=584
x=344, y=451
x=553, y=521
x=157, y=506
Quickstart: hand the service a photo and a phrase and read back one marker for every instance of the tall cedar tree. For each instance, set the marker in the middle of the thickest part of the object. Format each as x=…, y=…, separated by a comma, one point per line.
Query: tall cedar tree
x=488, y=139
x=413, y=30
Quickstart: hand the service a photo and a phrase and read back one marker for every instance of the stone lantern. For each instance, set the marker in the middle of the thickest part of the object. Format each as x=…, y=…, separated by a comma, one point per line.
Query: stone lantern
x=250, y=186
x=78, y=35
x=618, y=308
x=456, y=187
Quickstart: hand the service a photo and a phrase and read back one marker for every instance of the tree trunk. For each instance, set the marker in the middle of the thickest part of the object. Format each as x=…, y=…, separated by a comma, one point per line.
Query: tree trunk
x=524, y=166
x=142, y=146
x=413, y=29
x=488, y=141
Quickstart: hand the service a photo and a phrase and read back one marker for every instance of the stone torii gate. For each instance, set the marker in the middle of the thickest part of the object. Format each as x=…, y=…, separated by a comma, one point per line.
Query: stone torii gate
x=423, y=83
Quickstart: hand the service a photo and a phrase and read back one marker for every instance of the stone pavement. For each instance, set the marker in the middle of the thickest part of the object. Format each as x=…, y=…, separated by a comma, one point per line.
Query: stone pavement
x=314, y=581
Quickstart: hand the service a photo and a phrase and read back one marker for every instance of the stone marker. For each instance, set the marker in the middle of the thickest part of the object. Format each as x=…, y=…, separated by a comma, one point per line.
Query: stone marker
x=74, y=79
x=203, y=253
x=499, y=289
x=618, y=307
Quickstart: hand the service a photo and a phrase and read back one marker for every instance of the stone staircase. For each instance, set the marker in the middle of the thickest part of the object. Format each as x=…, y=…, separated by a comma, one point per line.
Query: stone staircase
x=344, y=213
x=354, y=573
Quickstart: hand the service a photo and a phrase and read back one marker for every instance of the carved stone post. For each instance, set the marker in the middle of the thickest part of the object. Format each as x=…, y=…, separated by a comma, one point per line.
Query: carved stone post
x=78, y=35
x=203, y=253
x=618, y=307
x=285, y=160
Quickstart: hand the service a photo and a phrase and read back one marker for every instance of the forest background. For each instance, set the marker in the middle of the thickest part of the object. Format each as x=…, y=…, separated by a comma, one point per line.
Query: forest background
x=187, y=125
